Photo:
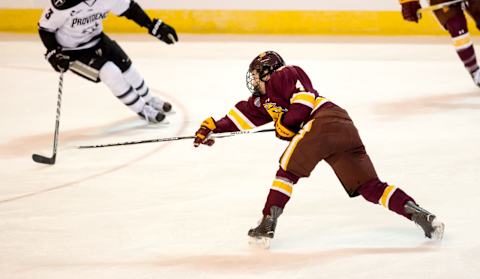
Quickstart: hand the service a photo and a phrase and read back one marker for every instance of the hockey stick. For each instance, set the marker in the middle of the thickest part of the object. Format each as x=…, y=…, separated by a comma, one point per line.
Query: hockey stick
x=437, y=7
x=51, y=160
x=216, y=136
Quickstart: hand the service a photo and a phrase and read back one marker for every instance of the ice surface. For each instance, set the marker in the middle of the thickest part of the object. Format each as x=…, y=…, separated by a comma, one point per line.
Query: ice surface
x=167, y=210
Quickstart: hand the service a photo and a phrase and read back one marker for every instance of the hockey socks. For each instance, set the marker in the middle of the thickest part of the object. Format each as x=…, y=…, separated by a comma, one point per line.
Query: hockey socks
x=133, y=77
x=386, y=195
x=111, y=75
x=457, y=27
x=280, y=191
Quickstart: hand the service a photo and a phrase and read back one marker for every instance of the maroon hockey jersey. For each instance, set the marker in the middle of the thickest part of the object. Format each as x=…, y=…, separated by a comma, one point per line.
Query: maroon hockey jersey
x=289, y=90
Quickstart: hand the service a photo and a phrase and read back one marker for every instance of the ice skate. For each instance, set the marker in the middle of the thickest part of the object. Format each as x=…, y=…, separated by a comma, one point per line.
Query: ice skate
x=265, y=231
x=160, y=105
x=430, y=224
x=152, y=115
x=476, y=77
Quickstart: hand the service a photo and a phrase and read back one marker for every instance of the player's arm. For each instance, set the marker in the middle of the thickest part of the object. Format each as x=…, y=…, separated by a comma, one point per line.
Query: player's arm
x=52, y=19
x=245, y=115
x=302, y=102
x=289, y=123
x=156, y=27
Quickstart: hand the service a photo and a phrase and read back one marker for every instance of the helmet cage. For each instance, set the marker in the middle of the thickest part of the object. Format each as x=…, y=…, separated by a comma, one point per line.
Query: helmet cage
x=262, y=65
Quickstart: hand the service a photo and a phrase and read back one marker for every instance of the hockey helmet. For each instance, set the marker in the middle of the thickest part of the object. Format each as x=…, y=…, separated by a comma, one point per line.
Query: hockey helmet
x=264, y=64
x=65, y=4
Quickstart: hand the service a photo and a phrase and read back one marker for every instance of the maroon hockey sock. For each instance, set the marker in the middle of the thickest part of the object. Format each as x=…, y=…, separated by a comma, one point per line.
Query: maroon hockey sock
x=275, y=198
x=457, y=27
x=389, y=196
x=280, y=191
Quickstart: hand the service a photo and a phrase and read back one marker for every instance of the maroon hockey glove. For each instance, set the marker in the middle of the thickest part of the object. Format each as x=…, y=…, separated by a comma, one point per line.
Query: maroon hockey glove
x=201, y=136
x=59, y=61
x=410, y=9
x=163, y=31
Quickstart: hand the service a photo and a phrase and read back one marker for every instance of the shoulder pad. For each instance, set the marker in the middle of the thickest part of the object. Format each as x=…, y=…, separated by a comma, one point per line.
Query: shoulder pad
x=65, y=4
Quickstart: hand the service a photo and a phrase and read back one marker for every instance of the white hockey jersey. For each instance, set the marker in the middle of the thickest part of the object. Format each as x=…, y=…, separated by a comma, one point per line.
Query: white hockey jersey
x=78, y=27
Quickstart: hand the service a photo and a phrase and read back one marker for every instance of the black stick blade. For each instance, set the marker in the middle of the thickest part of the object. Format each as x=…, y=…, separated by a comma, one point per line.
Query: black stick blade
x=43, y=160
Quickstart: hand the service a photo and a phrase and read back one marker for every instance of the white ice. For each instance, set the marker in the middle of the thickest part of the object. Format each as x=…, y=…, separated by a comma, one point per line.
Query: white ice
x=168, y=210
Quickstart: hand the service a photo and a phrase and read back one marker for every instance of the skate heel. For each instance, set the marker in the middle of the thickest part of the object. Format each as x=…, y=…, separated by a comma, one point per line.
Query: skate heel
x=430, y=224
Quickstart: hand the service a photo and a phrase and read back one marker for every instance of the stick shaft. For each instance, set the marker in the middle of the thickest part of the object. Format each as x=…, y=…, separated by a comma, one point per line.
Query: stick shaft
x=219, y=135
x=51, y=160
x=438, y=6
x=57, y=116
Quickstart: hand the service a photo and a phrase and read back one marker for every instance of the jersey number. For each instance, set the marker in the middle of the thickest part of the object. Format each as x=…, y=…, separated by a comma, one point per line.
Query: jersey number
x=299, y=86
x=49, y=14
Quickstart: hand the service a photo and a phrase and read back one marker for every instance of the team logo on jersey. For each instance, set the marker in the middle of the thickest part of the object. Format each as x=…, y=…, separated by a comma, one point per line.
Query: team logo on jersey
x=274, y=110
x=74, y=12
x=89, y=19
x=257, y=102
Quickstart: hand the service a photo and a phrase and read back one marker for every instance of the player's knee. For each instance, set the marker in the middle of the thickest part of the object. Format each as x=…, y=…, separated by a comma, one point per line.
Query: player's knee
x=111, y=75
x=456, y=25
x=109, y=72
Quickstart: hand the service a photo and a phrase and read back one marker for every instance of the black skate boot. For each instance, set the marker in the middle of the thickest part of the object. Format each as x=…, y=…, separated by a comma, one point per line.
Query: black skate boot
x=266, y=229
x=430, y=224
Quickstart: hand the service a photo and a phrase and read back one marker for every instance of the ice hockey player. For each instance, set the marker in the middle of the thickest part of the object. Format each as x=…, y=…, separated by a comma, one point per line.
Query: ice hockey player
x=317, y=129
x=72, y=32
x=452, y=19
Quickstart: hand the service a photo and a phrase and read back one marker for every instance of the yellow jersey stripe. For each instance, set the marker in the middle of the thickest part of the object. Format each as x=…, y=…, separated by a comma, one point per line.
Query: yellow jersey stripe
x=319, y=101
x=387, y=193
x=240, y=120
x=293, y=144
x=305, y=98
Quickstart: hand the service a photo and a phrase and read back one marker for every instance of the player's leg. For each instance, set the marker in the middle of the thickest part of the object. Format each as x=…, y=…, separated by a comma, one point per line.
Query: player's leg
x=96, y=64
x=277, y=198
x=454, y=21
x=132, y=76
x=396, y=200
x=355, y=170
x=303, y=153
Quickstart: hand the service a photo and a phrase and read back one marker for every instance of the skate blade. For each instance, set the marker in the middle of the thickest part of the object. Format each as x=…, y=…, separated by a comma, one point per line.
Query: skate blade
x=439, y=228
x=260, y=242
x=171, y=112
x=150, y=125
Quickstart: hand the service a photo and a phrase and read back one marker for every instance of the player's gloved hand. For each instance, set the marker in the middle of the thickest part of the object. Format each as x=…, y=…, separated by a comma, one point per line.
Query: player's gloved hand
x=201, y=136
x=410, y=10
x=163, y=31
x=281, y=131
x=59, y=61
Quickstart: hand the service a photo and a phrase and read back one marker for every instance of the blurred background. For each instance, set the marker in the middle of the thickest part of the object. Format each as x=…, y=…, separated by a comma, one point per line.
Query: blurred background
x=312, y=17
